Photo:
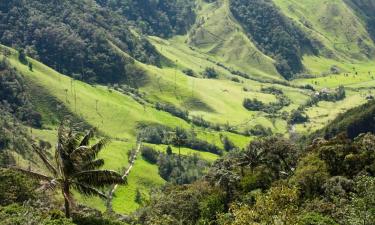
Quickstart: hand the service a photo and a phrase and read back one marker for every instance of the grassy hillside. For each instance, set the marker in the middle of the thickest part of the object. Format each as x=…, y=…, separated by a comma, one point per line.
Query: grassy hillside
x=217, y=41
x=217, y=33
x=342, y=34
x=353, y=122
x=117, y=116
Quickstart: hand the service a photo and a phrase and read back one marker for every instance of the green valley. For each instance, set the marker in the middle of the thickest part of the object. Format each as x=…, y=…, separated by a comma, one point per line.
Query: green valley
x=229, y=106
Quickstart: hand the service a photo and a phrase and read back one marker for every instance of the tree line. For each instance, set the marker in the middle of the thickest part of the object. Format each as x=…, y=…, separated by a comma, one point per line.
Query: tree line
x=274, y=34
x=76, y=38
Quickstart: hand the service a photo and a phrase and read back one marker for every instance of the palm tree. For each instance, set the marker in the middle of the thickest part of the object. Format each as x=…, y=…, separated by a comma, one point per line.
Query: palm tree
x=75, y=166
x=179, y=138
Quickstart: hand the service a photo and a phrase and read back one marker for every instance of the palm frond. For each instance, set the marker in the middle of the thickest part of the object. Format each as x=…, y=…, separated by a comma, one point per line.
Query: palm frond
x=45, y=160
x=90, y=134
x=72, y=142
x=92, y=165
x=87, y=190
x=99, y=178
x=84, y=153
x=49, y=185
x=98, y=147
x=32, y=174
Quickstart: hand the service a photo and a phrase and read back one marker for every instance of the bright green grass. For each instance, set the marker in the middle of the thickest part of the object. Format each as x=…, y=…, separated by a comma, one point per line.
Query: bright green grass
x=186, y=151
x=327, y=111
x=217, y=33
x=223, y=96
x=116, y=115
x=352, y=73
x=333, y=23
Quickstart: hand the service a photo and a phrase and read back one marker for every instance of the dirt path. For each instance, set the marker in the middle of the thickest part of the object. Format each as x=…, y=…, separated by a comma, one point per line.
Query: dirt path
x=125, y=175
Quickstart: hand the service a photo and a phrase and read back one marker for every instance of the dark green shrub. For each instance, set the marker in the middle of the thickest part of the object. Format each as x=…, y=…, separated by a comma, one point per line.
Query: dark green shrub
x=210, y=73
x=149, y=154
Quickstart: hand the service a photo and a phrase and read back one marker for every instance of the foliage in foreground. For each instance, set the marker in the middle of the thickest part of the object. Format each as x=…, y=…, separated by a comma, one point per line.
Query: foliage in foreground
x=75, y=166
x=274, y=182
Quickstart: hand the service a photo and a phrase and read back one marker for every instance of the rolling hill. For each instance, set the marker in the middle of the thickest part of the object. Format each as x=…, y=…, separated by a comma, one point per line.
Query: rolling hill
x=119, y=71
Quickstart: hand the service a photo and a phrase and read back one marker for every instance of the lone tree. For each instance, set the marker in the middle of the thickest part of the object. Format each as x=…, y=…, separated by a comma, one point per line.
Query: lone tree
x=22, y=56
x=75, y=166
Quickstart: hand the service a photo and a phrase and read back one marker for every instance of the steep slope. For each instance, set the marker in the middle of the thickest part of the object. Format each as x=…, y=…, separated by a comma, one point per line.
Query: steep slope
x=163, y=18
x=342, y=34
x=353, y=122
x=92, y=41
x=218, y=33
x=274, y=34
x=365, y=10
x=74, y=38
x=117, y=116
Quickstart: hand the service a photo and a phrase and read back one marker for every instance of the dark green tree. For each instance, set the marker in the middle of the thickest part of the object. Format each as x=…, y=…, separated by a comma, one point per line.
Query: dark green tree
x=22, y=56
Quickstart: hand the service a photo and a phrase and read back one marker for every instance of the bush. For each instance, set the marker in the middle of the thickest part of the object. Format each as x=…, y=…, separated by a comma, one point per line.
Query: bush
x=260, y=131
x=149, y=154
x=210, y=73
x=175, y=111
x=228, y=144
x=297, y=117
x=253, y=104
x=189, y=72
x=235, y=79
x=22, y=56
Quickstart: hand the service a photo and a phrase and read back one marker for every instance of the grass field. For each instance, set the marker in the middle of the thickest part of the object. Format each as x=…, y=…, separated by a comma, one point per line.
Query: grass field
x=116, y=115
x=334, y=24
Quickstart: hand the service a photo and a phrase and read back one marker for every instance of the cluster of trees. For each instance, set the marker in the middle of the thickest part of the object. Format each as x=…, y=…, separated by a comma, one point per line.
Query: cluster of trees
x=327, y=95
x=178, y=137
x=354, y=122
x=259, y=131
x=172, y=109
x=163, y=18
x=76, y=38
x=298, y=116
x=175, y=168
x=256, y=105
x=210, y=73
x=273, y=181
x=14, y=96
x=274, y=34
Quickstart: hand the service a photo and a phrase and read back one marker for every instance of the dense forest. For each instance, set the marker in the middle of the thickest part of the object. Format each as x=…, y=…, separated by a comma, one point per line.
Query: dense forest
x=162, y=17
x=76, y=38
x=276, y=35
x=272, y=181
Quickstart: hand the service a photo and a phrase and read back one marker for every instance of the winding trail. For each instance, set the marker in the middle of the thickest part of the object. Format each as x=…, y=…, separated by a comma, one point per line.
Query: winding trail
x=125, y=175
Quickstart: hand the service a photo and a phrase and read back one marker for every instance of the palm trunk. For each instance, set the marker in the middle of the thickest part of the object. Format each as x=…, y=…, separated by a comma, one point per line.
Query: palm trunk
x=66, y=193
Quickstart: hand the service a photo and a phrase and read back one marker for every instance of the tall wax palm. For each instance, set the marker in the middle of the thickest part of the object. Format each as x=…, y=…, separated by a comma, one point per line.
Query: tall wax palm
x=75, y=166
